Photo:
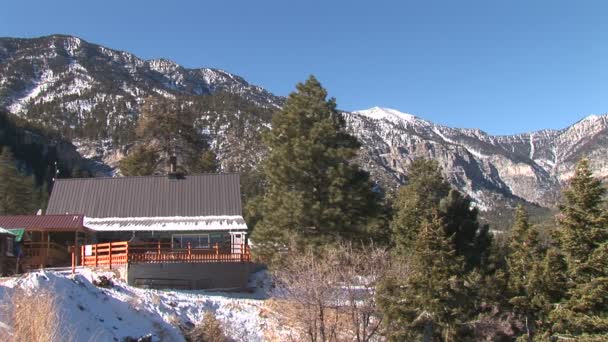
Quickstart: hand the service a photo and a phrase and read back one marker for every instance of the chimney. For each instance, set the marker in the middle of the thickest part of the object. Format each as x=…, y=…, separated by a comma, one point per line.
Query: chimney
x=173, y=174
x=172, y=165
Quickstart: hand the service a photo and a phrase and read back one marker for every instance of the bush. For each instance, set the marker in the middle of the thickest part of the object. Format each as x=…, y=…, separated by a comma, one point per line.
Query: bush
x=104, y=282
x=209, y=329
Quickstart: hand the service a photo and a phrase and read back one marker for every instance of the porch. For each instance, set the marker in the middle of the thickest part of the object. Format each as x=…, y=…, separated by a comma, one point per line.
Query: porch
x=111, y=254
x=44, y=253
x=46, y=240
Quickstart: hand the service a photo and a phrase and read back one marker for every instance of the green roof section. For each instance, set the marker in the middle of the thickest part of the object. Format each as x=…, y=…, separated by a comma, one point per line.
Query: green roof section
x=18, y=232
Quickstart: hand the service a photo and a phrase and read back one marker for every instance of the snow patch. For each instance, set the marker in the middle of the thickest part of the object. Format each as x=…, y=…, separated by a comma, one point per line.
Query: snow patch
x=46, y=79
x=532, y=146
x=108, y=314
x=393, y=115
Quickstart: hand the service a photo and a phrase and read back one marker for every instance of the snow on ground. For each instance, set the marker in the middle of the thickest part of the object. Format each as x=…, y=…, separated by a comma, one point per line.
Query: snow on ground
x=93, y=313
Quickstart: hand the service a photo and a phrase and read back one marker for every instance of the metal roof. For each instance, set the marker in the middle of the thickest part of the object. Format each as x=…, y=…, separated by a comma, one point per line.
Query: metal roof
x=152, y=196
x=43, y=222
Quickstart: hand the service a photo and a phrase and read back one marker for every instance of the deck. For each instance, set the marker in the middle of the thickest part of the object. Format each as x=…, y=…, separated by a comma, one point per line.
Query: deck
x=43, y=254
x=123, y=252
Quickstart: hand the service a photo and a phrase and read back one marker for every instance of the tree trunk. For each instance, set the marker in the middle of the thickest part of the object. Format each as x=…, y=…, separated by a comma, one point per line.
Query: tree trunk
x=322, y=323
x=428, y=332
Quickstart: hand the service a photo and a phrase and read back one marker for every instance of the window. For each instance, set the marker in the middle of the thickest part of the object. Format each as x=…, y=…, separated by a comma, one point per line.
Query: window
x=219, y=238
x=195, y=240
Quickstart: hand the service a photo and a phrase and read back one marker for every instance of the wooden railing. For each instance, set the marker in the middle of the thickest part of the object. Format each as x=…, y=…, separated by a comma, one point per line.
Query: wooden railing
x=116, y=253
x=37, y=254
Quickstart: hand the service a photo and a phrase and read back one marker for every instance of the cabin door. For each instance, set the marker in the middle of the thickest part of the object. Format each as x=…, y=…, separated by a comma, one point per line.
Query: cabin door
x=238, y=239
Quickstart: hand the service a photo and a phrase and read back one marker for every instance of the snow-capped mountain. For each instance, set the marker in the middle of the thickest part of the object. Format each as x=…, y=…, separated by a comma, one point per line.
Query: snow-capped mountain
x=532, y=166
x=91, y=95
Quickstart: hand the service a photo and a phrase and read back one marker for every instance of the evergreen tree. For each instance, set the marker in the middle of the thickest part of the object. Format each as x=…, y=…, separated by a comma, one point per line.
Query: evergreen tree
x=583, y=220
x=427, y=192
x=554, y=274
x=471, y=240
x=139, y=162
x=583, y=237
x=315, y=193
x=430, y=300
x=416, y=201
x=525, y=273
x=206, y=162
x=16, y=190
x=169, y=127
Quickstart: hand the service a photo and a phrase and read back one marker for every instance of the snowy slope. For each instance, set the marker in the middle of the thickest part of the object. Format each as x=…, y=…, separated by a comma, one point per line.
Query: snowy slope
x=100, y=314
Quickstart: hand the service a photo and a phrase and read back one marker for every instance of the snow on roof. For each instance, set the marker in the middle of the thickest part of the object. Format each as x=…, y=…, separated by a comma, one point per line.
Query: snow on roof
x=4, y=231
x=176, y=223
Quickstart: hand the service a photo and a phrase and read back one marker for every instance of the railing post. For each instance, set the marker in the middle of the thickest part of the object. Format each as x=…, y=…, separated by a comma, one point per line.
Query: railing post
x=217, y=251
x=127, y=252
x=189, y=252
x=74, y=260
x=158, y=253
x=95, y=251
x=241, y=252
x=110, y=253
x=82, y=255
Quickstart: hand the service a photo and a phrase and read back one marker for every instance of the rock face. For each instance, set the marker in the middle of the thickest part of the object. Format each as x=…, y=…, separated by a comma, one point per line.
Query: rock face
x=91, y=95
x=531, y=166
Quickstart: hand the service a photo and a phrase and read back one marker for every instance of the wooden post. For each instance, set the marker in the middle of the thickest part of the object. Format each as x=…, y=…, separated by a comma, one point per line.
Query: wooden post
x=75, y=246
x=127, y=252
x=82, y=255
x=241, y=252
x=189, y=251
x=158, y=257
x=74, y=260
x=110, y=253
x=95, y=251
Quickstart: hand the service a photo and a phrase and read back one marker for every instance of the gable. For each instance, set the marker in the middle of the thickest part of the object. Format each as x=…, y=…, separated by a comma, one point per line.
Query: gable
x=154, y=196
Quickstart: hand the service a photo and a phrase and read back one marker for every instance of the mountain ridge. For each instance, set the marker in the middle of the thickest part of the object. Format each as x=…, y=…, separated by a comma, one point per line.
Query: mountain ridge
x=91, y=95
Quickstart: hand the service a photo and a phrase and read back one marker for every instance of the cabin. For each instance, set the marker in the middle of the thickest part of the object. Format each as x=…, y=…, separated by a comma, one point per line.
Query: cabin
x=7, y=256
x=167, y=231
x=46, y=240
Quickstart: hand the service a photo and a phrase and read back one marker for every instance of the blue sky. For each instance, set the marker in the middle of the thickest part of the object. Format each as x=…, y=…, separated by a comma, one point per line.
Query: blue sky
x=502, y=66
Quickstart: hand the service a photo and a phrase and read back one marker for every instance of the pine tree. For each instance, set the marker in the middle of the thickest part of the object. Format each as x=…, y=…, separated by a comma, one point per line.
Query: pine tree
x=583, y=220
x=16, y=190
x=315, y=193
x=430, y=300
x=139, y=162
x=427, y=192
x=471, y=240
x=168, y=126
x=526, y=283
x=554, y=273
x=583, y=237
x=416, y=201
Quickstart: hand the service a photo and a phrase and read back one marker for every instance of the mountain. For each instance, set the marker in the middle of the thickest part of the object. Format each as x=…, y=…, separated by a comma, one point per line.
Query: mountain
x=531, y=166
x=90, y=95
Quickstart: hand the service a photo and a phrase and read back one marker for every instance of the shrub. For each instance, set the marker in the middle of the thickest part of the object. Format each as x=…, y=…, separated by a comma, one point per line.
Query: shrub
x=209, y=329
x=103, y=281
x=35, y=318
